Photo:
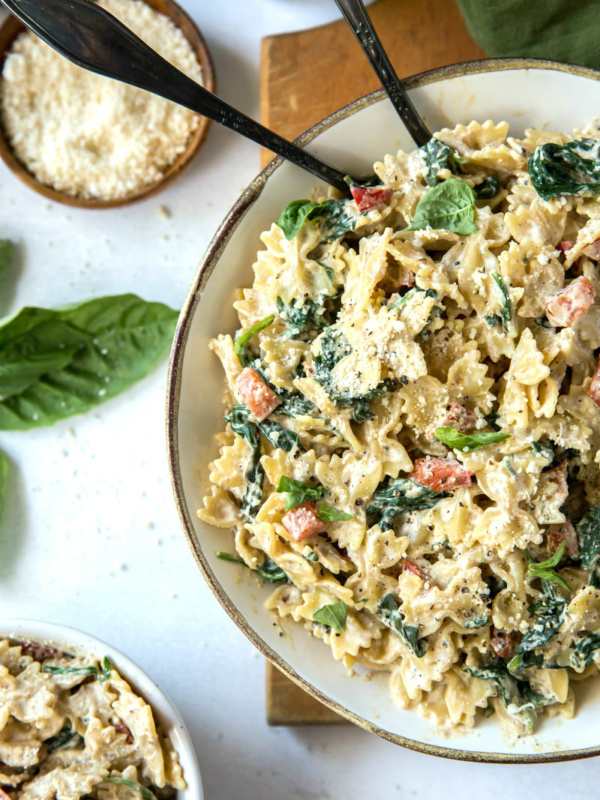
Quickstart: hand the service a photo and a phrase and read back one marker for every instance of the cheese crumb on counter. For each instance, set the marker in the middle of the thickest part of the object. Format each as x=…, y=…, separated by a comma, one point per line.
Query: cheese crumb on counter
x=87, y=135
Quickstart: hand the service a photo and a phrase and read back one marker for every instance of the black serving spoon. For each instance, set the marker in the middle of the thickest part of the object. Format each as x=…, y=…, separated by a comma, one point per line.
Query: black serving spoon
x=356, y=15
x=86, y=34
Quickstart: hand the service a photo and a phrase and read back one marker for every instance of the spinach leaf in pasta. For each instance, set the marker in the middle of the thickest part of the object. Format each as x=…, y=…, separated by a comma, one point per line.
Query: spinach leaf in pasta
x=506, y=307
x=468, y=442
x=133, y=785
x=411, y=294
x=333, y=616
x=245, y=426
x=582, y=654
x=242, y=338
x=438, y=156
x=395, y=496
x=389, y=613
x=488, y=188
x=548, y=614
x=332, y=213
x=588, y=532
x=269, y=570
x=296, y=405
x=102, y=674
x=572, y=168
x=519, y=699
x=241, y=420
x=66, y=737
x=448, y=206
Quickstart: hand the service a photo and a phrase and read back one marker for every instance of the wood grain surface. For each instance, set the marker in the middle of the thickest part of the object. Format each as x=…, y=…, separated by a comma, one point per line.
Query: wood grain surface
x=304, y=77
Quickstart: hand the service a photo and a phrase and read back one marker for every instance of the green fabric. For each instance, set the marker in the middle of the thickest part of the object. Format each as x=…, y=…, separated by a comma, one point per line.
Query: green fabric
x=563, y=30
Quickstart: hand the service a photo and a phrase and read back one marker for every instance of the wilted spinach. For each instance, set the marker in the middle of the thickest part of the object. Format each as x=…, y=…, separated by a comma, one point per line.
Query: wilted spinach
x=66, y=737
x=488, y=188
x=438, y=156
x=506, y=307
x=566, y=169
x=133, y=785
x=332, y=213
x=395, y=496
x=102, y=674
x=548, y=615
x=588, y=532
x=242, y=338
x=269, y=570
x=389, y=613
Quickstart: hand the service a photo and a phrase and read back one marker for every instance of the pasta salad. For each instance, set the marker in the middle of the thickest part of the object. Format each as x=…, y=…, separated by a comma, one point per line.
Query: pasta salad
x=412, y=444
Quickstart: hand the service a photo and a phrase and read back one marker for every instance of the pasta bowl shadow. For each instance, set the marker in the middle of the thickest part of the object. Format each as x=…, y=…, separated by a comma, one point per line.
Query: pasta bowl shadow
x=521, y=91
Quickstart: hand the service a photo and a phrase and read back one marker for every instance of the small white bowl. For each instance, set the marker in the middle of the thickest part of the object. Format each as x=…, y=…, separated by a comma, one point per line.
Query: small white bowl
x=164, y=711
x=525, y=93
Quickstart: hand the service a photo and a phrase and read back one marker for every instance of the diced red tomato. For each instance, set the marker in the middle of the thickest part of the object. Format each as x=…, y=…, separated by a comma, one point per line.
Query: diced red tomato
x=260, y=399
x=342, y=551
x=440, y=474
x=564, y=246
x=302, y=521
x=460, y=418
x=592, y=250
x=120, y=726
x=414, y=569
x=570, y=303
x=504, y=644
x=594, y=390
x=367, y=197
x=557, y=534
x=39, y=651
x=407, y=277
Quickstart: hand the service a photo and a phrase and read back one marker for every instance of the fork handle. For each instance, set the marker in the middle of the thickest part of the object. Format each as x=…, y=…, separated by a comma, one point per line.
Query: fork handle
x=86, y=34
x=357, y=17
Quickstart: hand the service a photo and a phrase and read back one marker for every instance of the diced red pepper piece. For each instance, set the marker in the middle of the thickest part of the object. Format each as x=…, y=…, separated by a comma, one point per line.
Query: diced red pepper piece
x=260, y=399
x=504, y=644
x=460, y=418
x=407, y=277
x=592, y=250
x=557, y=534
x=414, y=569
x=302, y=521
x=367, y=197
x=569, y=304
x=564, y=246
x=440, y=474
x=594, y=390
x=39, y=651
x=120, y=726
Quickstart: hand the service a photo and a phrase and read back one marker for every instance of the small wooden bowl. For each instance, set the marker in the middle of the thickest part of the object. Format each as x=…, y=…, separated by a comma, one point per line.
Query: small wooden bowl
x=8, y=33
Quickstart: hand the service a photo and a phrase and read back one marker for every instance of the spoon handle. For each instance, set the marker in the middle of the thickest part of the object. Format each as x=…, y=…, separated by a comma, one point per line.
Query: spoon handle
x=357, y=17
x=92, y=38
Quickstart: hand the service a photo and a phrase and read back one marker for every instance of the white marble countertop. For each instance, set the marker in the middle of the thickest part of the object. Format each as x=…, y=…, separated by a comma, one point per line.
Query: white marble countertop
x=91, y=537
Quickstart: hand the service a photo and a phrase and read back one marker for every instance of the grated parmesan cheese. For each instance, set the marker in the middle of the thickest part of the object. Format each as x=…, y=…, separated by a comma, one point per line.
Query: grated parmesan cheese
x=87, y=135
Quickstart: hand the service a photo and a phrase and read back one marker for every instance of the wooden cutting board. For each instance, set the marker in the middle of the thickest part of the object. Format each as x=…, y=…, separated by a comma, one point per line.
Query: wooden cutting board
x=304, y=77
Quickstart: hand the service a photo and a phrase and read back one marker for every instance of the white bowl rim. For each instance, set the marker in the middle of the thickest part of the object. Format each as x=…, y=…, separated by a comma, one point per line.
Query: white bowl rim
x=201, y=277
x=162, y=706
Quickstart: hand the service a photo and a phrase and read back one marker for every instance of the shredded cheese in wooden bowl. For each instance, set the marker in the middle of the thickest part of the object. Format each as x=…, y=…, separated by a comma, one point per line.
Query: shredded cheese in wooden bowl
x=88, y=136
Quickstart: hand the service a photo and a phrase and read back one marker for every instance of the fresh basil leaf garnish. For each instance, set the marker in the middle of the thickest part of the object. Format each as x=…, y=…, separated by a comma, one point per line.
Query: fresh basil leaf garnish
x=297, y=492
x=57, y=363
x=102, y=674
x=588, y=532
x=134, y=786
x=506, y=307
x=468, y=442
x=566, y=169
x=333, y=615
x=389, y=613
x=242, y=338
x=269, y=570
x=328, y=513
x=545, y=569
x=438, y=156
x=398, y=496
x=333, y=214
x=448, y=206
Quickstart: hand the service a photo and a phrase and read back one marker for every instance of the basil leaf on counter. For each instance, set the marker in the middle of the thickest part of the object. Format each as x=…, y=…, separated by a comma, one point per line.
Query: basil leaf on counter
x=334, y=616
x=57, y=363
x=390, y=615
x=506, y=308
x=448, y=206
x=572, y=168
x=468, y=442
x=134, y=786
x=242, y=338
x=328, y=513
x=297, y=492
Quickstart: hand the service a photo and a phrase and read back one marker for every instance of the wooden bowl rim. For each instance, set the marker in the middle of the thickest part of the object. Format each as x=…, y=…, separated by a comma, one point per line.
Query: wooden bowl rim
x=11, y=28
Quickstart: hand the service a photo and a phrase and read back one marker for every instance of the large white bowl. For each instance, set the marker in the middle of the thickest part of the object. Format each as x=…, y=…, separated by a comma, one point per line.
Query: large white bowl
x=525, y=92
x=165, y=713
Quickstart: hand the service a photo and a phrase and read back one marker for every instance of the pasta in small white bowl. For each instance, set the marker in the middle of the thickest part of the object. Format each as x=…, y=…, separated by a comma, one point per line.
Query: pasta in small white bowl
x=375, y=471
x=92, y=720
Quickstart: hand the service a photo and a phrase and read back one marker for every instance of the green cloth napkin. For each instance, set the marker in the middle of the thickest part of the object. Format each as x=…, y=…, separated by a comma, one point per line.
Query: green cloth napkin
x=563, y=30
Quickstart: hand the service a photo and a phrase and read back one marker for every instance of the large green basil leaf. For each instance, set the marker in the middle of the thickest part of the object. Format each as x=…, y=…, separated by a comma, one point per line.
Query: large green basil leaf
x=56, y=363
x=448, y=206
